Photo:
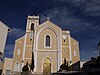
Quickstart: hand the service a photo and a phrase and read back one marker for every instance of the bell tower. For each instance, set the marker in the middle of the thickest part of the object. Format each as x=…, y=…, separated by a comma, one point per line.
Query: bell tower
x=32, y=22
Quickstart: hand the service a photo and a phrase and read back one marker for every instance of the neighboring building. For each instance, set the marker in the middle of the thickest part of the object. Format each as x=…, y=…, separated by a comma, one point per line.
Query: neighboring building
x=4, y=29
x=7, y=66
x=50, y=45
x=92, y=65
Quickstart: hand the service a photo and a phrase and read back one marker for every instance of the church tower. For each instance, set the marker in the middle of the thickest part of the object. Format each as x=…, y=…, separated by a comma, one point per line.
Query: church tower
x=32, y=22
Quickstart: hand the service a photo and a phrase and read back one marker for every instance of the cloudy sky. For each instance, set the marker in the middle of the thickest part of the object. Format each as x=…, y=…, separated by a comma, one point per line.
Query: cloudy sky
x=81, y=17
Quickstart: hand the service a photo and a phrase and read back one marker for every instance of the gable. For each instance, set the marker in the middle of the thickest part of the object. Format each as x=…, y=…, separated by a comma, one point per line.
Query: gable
x=50, y=25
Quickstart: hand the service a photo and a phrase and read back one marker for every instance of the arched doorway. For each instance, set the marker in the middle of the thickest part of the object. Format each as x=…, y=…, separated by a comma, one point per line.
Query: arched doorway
x=47, y=66
x=17, y=66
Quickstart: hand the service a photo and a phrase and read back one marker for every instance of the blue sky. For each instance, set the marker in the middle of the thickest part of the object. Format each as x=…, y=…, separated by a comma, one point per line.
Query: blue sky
x=81, y=17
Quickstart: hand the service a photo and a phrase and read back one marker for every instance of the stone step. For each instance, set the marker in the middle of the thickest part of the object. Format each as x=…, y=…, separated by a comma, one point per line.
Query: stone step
x=26, y=73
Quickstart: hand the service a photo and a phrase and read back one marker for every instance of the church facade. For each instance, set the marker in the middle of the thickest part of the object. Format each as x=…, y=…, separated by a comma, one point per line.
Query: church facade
x=50, y=45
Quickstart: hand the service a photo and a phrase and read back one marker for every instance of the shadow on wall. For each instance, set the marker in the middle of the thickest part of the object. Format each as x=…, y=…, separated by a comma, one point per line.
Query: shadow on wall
x=75, y=67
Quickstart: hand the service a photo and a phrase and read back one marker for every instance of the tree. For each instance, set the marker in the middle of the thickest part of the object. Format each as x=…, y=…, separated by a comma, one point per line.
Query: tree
x=32, y=62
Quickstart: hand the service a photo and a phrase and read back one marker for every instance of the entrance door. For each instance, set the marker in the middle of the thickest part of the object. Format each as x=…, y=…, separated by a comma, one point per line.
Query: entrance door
x=47, y=67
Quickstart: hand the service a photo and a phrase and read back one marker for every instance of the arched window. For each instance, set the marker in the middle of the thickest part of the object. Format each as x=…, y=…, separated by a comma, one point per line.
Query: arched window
x=18, y=52
x=17, y=66
x=47, y=44
x=32, y=26
x=75, y=53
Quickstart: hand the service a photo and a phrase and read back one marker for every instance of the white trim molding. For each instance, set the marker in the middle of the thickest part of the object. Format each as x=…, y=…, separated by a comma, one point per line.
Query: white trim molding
x=24, y=50
x=65, y=46
x=50, y=62
x=48, y=27
x=59, y=53
x=35, y=59
x=70, y=50
x=60, y=50
x=35, y=50
x=47, y=50
x=45, y=41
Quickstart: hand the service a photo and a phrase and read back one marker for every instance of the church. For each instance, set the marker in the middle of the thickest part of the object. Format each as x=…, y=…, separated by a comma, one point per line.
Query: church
x=49, y=43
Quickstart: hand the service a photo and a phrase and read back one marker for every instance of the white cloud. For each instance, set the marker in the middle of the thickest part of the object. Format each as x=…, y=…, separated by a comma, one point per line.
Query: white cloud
x=65, y=19
x=16, y=32
x=74, y=2
x=56, y=13
x=60, y=15
x=92, y=8
x=88, y=7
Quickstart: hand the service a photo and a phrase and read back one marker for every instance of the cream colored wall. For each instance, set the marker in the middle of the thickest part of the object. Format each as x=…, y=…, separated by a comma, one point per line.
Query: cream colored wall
x=28, y=41
x=47, y=51
x=3, y=36
x=65, y=47
x=7, y=65
x=48, y=24
x=66, y=51
x=43, y=26
x=75, y=46
x=47, y=28
x=28, y=52
x=66, y=43
x=52, y=56
x=54, y=32
x=28, y=49
x=19, y=44
x=53, y=39
x=65, y=54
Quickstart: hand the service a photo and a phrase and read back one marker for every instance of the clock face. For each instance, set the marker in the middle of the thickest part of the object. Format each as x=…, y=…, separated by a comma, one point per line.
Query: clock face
x=64, y=36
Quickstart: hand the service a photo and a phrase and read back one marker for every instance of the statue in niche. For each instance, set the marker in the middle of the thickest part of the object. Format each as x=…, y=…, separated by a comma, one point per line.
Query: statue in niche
x=29, y=67
x=64, y=66
x=26, y=67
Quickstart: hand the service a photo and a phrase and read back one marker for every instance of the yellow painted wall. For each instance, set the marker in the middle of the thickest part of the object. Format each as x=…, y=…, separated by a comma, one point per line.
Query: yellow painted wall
x=41, y=40
x=75, y=47
x=19, y=44
x=47, y=28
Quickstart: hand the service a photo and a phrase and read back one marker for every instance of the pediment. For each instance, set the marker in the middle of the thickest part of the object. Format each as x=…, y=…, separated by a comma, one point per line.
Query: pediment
x=48, y=23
